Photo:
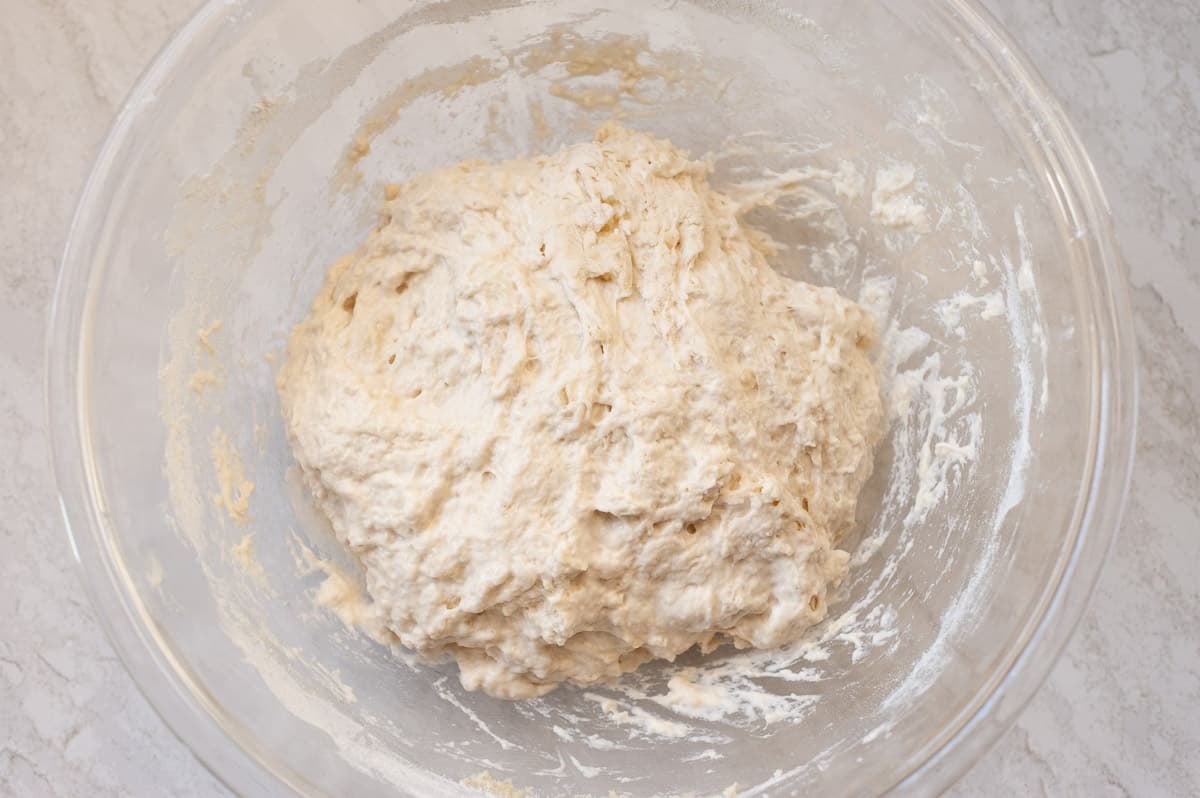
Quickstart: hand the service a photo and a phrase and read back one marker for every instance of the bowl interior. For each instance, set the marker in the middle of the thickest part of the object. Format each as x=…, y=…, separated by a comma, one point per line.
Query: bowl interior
x=907, y=176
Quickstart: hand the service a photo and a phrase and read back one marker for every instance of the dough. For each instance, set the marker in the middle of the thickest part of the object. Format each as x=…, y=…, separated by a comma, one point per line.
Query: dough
x=569, y=419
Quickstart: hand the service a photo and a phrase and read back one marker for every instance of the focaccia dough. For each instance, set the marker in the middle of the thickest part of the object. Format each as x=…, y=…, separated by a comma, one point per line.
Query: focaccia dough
x=569, y=419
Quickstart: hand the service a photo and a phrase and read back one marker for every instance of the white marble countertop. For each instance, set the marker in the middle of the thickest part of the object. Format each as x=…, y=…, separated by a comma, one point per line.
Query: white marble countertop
x=1119, y=716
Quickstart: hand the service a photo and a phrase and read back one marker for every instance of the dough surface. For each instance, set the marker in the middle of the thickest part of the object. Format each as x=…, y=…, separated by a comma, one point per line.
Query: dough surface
x=569, y=419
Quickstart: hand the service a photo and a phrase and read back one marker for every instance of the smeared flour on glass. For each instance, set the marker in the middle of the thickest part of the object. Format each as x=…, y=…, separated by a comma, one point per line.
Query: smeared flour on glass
x=486, y=782
x=878, y=222
x=234, y=490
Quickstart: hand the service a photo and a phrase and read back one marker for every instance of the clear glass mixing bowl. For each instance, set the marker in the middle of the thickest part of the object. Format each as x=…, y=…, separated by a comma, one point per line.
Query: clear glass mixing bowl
x=921, y=167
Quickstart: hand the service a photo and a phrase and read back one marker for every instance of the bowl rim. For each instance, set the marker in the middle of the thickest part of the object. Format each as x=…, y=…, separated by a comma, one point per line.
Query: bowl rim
x=196, y=719
x=1114, y=418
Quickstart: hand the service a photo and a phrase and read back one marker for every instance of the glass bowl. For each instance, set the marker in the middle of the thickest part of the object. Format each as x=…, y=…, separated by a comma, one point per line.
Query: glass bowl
x=916, y=162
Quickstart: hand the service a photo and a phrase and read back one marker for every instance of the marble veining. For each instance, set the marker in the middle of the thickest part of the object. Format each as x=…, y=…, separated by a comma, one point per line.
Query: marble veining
x=1120, y=714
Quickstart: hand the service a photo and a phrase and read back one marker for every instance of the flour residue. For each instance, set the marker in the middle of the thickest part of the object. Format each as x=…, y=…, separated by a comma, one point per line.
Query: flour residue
x=624, y=713
x=243, y=555
x=201, y=379
x=234, y=490
x=485, y=782
x=894, y=200
x=204, y=336
x=951, y=311
x=599, y=74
